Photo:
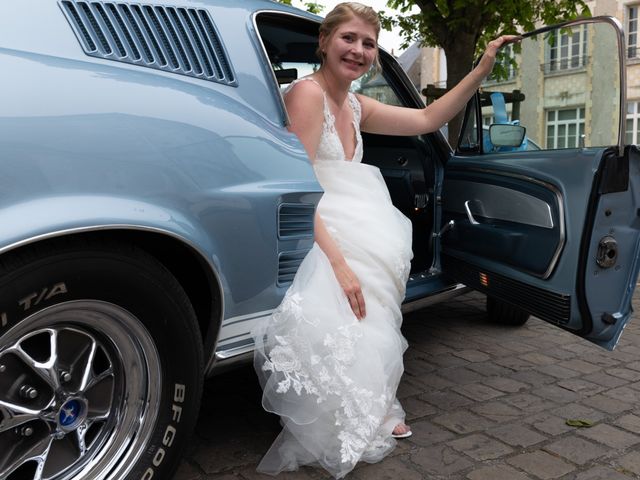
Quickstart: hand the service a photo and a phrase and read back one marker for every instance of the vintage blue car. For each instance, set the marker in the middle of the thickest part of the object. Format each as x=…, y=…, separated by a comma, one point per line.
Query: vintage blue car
x=153, y=206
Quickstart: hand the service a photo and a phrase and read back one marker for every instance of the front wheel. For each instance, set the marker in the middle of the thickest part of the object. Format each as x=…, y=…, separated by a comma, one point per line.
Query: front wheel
x=100, y=365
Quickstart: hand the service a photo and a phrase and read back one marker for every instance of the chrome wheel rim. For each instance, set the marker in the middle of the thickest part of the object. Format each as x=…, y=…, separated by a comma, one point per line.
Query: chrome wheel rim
x=79, y=393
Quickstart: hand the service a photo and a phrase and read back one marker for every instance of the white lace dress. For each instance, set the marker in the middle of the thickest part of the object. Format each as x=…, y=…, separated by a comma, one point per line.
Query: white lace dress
x=331, y=377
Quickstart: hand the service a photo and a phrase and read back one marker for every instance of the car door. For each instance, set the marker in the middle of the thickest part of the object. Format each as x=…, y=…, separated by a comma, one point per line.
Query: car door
x=552, y=231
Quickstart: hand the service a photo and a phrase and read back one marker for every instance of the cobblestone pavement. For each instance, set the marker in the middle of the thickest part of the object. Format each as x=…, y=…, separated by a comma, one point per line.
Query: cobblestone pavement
x=486, y=402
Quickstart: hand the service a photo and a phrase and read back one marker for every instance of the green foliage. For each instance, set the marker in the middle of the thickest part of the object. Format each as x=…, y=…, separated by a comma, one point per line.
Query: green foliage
x=505, y=63
x=442, y=22
x=313, y=7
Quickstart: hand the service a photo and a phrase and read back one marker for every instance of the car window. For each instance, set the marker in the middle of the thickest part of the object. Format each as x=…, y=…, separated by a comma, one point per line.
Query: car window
x=562, y=86
x=375, y=85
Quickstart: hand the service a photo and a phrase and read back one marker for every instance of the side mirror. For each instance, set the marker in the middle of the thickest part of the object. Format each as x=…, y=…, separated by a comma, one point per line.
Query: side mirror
x=505, y=135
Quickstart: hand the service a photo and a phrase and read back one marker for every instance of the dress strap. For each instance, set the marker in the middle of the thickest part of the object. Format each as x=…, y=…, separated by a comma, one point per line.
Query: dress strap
x=311, y=80
x=328, y=116
x=356, y=108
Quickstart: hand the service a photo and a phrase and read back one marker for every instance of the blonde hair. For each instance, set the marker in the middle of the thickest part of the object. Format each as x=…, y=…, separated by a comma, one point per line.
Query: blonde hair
x=343, y=12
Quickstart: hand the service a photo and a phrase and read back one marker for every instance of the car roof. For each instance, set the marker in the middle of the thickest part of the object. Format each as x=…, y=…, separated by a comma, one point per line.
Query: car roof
x=253, y=6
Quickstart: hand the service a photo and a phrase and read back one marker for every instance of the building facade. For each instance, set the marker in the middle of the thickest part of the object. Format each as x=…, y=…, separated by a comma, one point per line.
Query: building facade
x=562, y=72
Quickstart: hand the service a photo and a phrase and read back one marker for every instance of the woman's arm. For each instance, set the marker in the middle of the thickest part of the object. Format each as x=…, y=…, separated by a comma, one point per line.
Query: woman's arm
x=391, y=120
x=345, y=276
x=305, y=105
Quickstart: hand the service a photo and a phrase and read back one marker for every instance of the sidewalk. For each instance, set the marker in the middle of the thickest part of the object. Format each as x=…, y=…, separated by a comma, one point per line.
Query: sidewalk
x=485, y=402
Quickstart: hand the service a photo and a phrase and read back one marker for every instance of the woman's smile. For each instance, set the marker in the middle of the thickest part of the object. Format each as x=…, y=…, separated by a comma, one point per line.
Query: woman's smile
x=352, y=63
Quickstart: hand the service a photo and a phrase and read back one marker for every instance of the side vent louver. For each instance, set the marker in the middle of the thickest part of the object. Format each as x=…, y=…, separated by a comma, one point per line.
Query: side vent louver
x=295, y=220
x=173, y=39
x=288, y=264
x=549, y=306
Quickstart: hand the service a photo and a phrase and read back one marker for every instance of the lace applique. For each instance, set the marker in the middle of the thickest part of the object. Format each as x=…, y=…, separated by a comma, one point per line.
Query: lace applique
x=401, y=269
x=330, y=138
x=290, y=305
x=402, y=265
x=356, y=108
x=284, y=359
x=358, y=424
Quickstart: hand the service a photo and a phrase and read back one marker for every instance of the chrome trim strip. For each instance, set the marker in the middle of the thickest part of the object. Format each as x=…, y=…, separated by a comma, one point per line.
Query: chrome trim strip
x=448, y=294
x=243, y=318
x=549, y=186
x=224, y=365
x=247, y=348
x=622, y=57
x=236, y=348
x=235, y=351
x=247, y=340
x=623, y=83
x=233, y=337
x=237, y=320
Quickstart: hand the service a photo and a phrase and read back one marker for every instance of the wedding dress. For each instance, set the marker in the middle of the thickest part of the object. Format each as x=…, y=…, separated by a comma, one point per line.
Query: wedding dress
x=331, y=377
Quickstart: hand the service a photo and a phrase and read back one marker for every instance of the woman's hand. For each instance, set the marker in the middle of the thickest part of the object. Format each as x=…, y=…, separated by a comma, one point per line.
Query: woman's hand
x=489, y=57
x=378, y=117
x=351, y=287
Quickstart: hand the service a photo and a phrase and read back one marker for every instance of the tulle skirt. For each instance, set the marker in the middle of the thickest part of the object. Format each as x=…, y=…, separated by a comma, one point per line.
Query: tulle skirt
x=330, y=377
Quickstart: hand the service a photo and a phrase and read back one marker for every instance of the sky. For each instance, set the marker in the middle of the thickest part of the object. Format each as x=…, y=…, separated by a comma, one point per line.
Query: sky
x=387, y=40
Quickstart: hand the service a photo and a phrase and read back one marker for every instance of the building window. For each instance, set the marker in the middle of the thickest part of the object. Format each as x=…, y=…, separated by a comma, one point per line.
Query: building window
x=567, y=50
x=488, y=120
x=565, y=128
x=632, y=136
x=632, y=29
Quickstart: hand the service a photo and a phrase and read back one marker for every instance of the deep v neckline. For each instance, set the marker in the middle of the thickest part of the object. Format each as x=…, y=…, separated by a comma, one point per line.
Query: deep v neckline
x=354, y=126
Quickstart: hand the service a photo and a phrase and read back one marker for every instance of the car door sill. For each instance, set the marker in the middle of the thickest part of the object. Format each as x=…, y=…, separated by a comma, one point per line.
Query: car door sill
x=446, y=294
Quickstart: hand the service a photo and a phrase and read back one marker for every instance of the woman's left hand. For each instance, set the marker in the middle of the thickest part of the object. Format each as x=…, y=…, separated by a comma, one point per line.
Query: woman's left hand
x=489, y=57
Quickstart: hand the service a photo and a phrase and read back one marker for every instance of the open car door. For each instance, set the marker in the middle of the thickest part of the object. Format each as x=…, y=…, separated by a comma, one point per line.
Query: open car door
x=551, y=230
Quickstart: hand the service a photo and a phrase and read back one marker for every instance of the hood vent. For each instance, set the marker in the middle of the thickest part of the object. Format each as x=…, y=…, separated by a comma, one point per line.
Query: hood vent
x=295, y=220
x=177, y=40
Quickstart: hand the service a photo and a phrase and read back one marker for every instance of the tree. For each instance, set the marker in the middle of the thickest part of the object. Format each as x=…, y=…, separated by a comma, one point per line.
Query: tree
x=462, y=28
x=312, y=7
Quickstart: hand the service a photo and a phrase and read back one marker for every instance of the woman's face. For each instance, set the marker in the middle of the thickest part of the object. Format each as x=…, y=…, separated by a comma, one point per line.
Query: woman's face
x=350, y=49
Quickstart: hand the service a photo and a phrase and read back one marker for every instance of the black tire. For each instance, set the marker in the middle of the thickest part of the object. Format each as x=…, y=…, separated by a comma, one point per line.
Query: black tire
x=133, y=402
x=505, y=313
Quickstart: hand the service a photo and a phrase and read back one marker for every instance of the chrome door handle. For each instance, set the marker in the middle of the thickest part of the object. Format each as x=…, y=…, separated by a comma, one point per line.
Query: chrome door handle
x=469, y=214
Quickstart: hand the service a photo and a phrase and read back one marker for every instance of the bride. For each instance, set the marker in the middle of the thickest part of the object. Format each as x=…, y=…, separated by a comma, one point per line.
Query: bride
x=329, y=359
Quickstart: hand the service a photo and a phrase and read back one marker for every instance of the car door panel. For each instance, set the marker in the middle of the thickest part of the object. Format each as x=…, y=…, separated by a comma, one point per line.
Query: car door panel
x=504, y=217
x=550, y=272
x=554, y=232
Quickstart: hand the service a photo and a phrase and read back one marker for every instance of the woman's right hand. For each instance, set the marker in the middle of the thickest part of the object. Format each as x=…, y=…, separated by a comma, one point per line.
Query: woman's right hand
x=351, y=287
x=489, y=57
